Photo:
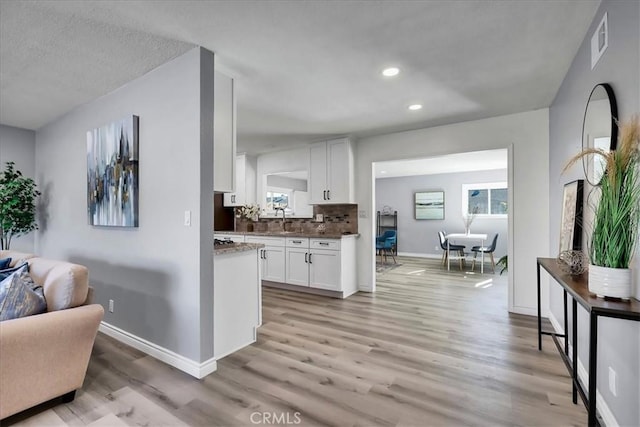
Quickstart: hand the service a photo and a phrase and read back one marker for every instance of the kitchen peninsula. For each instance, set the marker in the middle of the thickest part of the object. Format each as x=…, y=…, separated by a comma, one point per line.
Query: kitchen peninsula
x=237, y=296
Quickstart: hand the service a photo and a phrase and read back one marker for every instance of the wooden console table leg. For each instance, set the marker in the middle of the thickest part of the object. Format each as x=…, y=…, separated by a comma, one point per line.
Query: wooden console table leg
x=593, y=368
x=574, y=357
x=539, y=313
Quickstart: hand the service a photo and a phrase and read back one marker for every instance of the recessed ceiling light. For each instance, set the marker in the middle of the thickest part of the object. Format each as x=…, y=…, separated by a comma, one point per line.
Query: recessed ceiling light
x=415, y=107
x=390, y=72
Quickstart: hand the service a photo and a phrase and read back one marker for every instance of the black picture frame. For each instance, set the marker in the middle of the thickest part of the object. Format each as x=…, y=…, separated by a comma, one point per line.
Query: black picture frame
x=571, y=219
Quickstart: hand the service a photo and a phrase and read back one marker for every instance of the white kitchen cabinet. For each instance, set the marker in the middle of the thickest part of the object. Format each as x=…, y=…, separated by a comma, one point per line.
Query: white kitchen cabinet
x=325, y=269
x=224, y=133
x=297, y=266
x=244, y=192
x=272, y=257
x=331, y=174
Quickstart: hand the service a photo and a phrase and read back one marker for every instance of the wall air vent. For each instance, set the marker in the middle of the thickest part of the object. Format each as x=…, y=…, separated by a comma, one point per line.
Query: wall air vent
x=599, y=41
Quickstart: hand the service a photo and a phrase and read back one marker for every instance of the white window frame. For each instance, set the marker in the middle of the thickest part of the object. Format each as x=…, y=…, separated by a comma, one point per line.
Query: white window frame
x=482, y=186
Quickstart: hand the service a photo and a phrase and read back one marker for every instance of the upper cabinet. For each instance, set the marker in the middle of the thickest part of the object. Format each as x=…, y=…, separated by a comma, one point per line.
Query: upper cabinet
x=245, y=179
x=224, y=134
x=331, y=178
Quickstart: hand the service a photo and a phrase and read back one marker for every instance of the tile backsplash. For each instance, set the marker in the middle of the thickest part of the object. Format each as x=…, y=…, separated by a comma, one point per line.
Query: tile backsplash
x=338, y=219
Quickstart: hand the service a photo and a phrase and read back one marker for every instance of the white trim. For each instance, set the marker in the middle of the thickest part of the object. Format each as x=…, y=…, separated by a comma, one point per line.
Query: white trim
x=607, y=416
x=420, y=255
x=528, y=311
x=484, y=186
x=191, y=367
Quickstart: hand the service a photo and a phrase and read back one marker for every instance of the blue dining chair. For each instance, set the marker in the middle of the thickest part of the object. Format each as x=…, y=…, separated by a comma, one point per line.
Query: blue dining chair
x=487, y=250
x=455, y=248
x=385, y=244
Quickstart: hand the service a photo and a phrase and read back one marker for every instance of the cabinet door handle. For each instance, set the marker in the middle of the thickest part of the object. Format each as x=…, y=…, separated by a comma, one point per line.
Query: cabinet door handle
x=324, y=195
x=310, y=259
x=328, y=194
x=306, y=257
x=323, y=243
x=297, y=241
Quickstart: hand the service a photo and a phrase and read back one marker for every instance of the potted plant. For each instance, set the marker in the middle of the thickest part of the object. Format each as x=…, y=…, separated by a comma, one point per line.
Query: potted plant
x=616, y=214
x=17, y=205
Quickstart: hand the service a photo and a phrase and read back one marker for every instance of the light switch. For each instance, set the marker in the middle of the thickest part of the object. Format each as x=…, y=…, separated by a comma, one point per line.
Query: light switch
x=187, y=218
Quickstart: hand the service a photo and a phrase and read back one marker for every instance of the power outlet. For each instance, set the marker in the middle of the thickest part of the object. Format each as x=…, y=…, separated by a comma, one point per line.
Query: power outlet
x=110, y=306
x=613, y=380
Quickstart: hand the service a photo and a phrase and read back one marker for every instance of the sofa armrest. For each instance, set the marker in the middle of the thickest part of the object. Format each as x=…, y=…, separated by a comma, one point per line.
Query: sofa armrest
x=45, y=356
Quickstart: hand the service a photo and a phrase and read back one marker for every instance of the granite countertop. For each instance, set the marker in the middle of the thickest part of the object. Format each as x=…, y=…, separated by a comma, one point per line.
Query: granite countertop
x=236, y=247
x=290, y=234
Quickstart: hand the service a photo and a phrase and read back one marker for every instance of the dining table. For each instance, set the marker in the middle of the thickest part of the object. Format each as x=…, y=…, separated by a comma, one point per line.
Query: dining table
x=467, y=237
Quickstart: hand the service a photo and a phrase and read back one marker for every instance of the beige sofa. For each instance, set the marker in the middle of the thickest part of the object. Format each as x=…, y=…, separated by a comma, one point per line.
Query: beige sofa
x=46, y=356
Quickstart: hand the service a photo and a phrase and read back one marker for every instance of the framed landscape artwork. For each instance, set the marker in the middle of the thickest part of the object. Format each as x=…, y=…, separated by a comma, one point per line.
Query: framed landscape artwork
x=112, y=174
x=429, y=205
x=571, y=222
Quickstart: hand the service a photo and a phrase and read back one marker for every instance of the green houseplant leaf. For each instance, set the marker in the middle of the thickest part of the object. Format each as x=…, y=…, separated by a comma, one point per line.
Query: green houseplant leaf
x=617, y=214
x=17, y=205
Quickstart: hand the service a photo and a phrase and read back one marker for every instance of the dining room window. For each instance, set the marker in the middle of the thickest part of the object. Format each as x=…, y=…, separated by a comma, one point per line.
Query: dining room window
x=486, y=199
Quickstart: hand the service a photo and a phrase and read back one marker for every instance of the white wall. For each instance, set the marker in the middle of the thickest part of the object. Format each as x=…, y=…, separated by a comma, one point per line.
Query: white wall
x=527, y=136
x=420, y=236
x=19, y=146
x=619, y=340
x=160, y=274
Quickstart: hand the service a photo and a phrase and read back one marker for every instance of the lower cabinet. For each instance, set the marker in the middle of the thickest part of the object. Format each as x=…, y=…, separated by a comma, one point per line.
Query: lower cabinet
x=324, y=269
x=315, y=268
x=327, y=264
x=271, y=257
x=297, y=263
x=273, y=263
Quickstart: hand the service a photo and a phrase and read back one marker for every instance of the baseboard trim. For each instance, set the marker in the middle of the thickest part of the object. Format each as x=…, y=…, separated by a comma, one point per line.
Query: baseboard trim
x=607, y=416
x=528, y=311
x=191, y=367
x=420, y=255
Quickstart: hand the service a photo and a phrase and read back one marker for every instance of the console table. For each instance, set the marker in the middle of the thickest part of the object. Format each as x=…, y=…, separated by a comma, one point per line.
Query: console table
x=578, y=288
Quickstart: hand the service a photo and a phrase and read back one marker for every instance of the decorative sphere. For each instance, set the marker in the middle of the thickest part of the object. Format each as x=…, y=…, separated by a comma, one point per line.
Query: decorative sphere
x=573, y=262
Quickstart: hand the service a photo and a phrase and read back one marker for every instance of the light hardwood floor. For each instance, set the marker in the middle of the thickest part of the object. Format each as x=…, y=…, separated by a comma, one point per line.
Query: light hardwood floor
x=430, y=348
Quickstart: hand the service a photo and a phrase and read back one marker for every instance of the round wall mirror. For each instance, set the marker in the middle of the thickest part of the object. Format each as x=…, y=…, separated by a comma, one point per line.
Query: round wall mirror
x=599, y=130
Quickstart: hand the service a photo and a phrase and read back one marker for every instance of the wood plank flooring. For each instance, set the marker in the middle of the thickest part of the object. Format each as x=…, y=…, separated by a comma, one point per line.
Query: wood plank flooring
x=430, y=348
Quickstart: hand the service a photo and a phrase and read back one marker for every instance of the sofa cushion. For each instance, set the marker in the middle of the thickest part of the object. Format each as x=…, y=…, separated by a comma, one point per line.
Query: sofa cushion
x=65, y=284
x=4, y=263
x=16, y=257
x=20, y=296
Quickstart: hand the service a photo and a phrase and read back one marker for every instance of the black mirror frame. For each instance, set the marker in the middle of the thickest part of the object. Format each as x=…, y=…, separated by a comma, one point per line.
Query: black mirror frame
x=614, y=125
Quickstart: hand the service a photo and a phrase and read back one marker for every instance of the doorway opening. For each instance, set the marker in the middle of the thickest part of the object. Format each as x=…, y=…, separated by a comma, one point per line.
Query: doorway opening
x=462, y=198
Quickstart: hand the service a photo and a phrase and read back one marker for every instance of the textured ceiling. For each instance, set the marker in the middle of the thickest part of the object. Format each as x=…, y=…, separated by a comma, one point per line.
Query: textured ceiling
x=304, y=69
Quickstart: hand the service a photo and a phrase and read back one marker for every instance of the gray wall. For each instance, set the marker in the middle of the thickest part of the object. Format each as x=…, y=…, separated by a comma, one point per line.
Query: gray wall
x=619, y=340
x=420, y=236
x=19, y=146
x=160, y=275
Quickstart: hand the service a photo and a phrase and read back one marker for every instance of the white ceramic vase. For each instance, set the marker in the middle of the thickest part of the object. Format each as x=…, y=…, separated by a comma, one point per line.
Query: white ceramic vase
x=610, y=282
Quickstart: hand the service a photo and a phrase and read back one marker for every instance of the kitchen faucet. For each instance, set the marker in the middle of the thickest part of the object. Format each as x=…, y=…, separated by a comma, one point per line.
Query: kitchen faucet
x=284, y=228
